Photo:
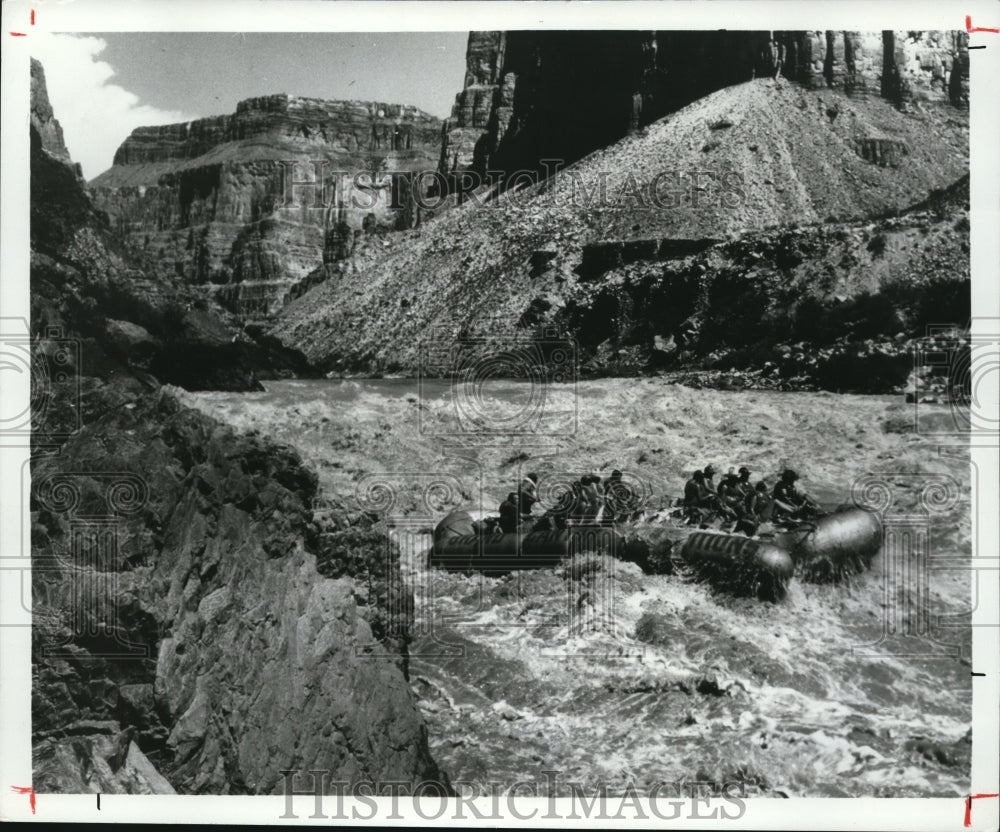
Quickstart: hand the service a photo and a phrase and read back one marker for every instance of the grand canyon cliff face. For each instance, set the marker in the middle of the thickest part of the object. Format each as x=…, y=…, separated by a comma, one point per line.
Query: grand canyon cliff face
x=530, y=96
x=246, y=205
x=203, y=616
x=667, y=139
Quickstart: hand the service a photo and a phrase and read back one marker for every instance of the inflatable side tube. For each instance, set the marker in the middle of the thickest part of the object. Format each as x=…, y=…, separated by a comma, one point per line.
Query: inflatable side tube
x=839, y=544
x=456, y=523
x=739, y=564
x=506, y=552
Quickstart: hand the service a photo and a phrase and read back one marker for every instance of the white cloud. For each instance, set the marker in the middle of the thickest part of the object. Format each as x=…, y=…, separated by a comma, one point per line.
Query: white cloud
x=96, y=116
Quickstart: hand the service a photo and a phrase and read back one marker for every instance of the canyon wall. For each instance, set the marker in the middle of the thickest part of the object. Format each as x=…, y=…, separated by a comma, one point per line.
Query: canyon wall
x=243, y=205
x=530, y=96
x=44, y=122
x=202, y=615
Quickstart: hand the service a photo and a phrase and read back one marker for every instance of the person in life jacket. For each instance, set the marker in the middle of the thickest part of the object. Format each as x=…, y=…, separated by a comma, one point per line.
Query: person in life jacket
x=510, y=515
x=728, y=492
x=789, y=501
x=591, y=495
x=758, y=508
x=565, y=507
x=527, y=494
x=709, y=472
x=699, y=500
x=621, y=503
x=743, y=485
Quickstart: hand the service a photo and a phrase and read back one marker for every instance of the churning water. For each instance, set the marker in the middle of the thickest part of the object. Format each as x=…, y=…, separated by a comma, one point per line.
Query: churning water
x=606, y=675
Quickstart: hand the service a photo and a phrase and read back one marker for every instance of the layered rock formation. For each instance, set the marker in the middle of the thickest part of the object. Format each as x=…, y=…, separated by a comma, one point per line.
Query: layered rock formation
x=535, y=95
x=749, y=158
x=242, y=205
x=840, y=306
x=199, y=623
x=127, y=317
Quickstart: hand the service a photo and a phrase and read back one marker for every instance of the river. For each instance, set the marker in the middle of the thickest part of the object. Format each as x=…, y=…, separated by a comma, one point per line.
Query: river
x=848, y=689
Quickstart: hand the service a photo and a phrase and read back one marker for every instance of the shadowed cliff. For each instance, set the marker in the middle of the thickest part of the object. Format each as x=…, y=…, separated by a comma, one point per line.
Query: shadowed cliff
x=203, y=617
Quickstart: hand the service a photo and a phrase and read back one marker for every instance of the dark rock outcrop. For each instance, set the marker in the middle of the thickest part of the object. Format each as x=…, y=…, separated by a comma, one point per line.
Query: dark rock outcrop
x=837, y=306
x=241, y=205
x=46, y=125
x=199, y=618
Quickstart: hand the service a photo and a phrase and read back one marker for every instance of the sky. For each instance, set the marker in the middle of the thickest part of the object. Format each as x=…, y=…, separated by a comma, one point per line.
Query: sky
x=102, y=86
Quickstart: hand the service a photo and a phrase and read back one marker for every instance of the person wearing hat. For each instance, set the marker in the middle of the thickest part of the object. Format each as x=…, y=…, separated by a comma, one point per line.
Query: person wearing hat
x=727, y=500
x=788, y=500
x=621, y=501
x=759, y=508
x=730, y=500
x=727, y=480
x=743, y=486
x=709, y=471
x=592, y=497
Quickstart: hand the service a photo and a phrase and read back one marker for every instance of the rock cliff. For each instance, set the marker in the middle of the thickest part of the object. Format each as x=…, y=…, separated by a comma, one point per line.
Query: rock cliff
x=190, y=601
x=241, y=205
x=746, y=159
x=46, y=125
x=559, y=95
x=202, y=617
x=128, y=317
x=840, y=306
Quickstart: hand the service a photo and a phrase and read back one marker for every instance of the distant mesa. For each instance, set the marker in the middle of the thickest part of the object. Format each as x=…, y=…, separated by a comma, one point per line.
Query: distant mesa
x=247, y=205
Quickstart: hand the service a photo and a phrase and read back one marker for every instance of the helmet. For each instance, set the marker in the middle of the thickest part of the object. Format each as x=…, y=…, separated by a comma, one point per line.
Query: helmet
x=788, y=475
x=745, y=470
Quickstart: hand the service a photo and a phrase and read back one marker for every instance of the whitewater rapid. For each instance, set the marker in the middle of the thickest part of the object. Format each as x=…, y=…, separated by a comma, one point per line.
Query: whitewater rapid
x=612, y=677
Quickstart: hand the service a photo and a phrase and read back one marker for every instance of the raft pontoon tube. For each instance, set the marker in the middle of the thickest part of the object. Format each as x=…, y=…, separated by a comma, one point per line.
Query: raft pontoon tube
x=740, y=564
x=458, y=547
x=841, y=543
